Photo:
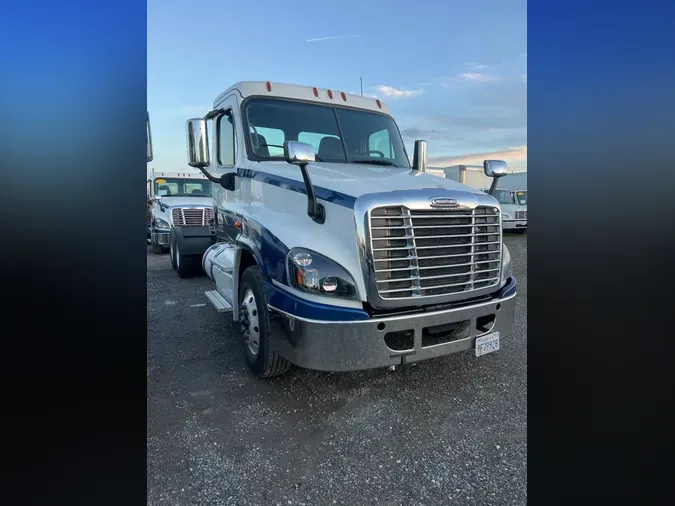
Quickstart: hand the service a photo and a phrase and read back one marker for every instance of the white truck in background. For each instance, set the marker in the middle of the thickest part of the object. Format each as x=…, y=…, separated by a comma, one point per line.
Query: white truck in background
x=514, y=209
x=148, y=138
x=177, y=199
x=331, y=250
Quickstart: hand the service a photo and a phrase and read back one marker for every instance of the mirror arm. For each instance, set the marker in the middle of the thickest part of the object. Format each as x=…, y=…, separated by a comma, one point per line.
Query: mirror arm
x=315, y=210
x=493, y=186
x=214, y=114
x=209, y=176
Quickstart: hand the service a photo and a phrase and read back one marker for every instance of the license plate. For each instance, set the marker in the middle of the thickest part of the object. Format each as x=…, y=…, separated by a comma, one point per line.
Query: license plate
x=487, y=344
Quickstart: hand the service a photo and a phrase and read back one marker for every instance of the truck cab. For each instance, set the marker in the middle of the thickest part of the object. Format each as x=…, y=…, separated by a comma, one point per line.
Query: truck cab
x=514, y=209
x=177, y=199
x=332, y=250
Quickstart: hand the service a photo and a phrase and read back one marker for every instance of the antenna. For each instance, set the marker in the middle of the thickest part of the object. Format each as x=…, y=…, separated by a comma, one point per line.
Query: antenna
x=362, y=86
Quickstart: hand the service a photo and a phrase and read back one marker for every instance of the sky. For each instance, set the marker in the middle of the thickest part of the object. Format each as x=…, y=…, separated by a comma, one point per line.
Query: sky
x=453, y=73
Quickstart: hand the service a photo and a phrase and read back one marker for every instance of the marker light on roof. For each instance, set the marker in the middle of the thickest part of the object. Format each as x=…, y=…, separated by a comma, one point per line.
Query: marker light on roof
x=316, y=92
x=344, y=97
x=269, y=86
x=379, y=104
x=330, y=94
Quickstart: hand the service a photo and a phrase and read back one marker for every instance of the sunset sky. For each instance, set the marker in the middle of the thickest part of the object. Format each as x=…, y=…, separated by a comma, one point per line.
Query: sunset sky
x=452, y=73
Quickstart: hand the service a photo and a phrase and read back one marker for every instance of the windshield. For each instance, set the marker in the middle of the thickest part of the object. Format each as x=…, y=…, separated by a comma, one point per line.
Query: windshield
x=522, y=197
x=178, y=187
x=503, y=196
x=337, y=134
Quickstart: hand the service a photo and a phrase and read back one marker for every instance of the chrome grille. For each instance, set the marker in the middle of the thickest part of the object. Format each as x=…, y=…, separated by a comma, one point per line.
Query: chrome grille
x=520, y=215
x=420, y=253
x=191, y=216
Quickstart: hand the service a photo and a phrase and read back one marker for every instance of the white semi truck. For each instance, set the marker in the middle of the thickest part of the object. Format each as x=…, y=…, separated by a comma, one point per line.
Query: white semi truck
x=331, y=250
x=514, y=209
x=148, y=138
x=177, y=199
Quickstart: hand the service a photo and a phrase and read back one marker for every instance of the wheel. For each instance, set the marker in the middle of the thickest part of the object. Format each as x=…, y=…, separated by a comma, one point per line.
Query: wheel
x=255, y=326
x=181, y=263
x=172, y=254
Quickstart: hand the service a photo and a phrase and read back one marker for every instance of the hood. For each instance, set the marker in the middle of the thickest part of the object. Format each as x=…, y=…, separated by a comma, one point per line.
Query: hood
x=185, y=201
x=359, y=179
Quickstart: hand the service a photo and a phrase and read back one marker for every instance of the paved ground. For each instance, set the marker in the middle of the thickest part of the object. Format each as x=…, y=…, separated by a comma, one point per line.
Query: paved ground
x=446, y=431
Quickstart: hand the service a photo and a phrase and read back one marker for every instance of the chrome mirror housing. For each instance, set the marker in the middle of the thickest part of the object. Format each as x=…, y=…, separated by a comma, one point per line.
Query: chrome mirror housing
x=198, y=143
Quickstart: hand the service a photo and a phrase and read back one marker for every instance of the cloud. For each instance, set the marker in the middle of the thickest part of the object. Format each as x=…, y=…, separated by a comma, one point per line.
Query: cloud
x=333, y=37
x=476, y=66
x=417, y=133
x=478, y=77
x=516, y=158
x=391, y=92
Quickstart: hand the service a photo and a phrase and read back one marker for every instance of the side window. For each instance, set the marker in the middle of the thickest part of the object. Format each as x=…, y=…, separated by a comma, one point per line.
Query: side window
x=314, y=139
x=379, y=141
x=226, y=140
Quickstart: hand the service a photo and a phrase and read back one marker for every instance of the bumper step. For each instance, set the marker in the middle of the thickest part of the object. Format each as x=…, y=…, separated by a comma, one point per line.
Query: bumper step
x=217, y=301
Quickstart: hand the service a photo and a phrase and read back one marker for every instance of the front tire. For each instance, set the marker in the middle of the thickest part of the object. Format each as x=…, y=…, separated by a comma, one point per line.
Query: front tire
x=255, y=322
x=172, y=252
x=180, y=262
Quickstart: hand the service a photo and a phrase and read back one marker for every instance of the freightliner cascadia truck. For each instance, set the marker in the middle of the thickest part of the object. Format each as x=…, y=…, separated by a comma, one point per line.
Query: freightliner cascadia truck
x=331, y=249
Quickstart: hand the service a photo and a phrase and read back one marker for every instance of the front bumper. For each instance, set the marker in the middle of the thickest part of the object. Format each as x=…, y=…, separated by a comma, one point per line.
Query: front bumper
x=358, y=345
x=160, y=237
x=514, y=224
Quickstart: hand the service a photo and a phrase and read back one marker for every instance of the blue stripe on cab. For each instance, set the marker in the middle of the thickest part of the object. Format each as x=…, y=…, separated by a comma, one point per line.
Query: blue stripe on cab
x=337, y=198
x=291, y=304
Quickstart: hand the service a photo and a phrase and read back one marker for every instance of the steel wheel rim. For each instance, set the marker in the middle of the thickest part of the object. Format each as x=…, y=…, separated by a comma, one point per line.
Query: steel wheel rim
x=251, y=322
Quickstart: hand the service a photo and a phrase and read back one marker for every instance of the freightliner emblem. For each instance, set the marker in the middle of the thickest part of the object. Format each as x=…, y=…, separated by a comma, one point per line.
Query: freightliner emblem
x=443, y=202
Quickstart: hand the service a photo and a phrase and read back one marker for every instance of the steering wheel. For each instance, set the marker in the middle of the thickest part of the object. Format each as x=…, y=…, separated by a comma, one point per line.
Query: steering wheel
x=376, y=151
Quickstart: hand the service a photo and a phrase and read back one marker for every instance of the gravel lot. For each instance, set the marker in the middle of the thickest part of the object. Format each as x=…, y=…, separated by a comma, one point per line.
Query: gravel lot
x=446, y=431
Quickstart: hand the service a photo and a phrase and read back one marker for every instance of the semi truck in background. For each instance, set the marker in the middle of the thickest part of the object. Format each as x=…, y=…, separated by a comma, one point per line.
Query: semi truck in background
x=514, y=209
x=148, y=136
x=177, y=199
x=331, y=250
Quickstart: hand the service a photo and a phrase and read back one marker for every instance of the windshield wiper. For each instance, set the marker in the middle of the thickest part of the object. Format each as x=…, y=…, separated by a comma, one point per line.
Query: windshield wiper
x=373, y=161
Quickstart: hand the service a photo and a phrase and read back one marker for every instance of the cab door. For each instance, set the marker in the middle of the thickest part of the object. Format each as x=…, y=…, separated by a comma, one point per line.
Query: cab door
x=228, y=149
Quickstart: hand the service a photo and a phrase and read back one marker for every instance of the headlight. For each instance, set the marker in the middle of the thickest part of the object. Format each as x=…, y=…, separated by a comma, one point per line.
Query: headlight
x=311, y=272
x=507, y=270
x=160, y=223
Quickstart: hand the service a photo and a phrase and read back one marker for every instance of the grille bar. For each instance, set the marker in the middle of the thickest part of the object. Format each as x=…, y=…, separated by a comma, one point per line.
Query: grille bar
x=191, y=216
x=422, y=253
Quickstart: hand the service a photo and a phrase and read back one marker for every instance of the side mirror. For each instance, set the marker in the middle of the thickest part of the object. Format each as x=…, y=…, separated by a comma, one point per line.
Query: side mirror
x=149, y=138
x=494, y=169
x=198, y=143
x=420, y=156
x=298, y=152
